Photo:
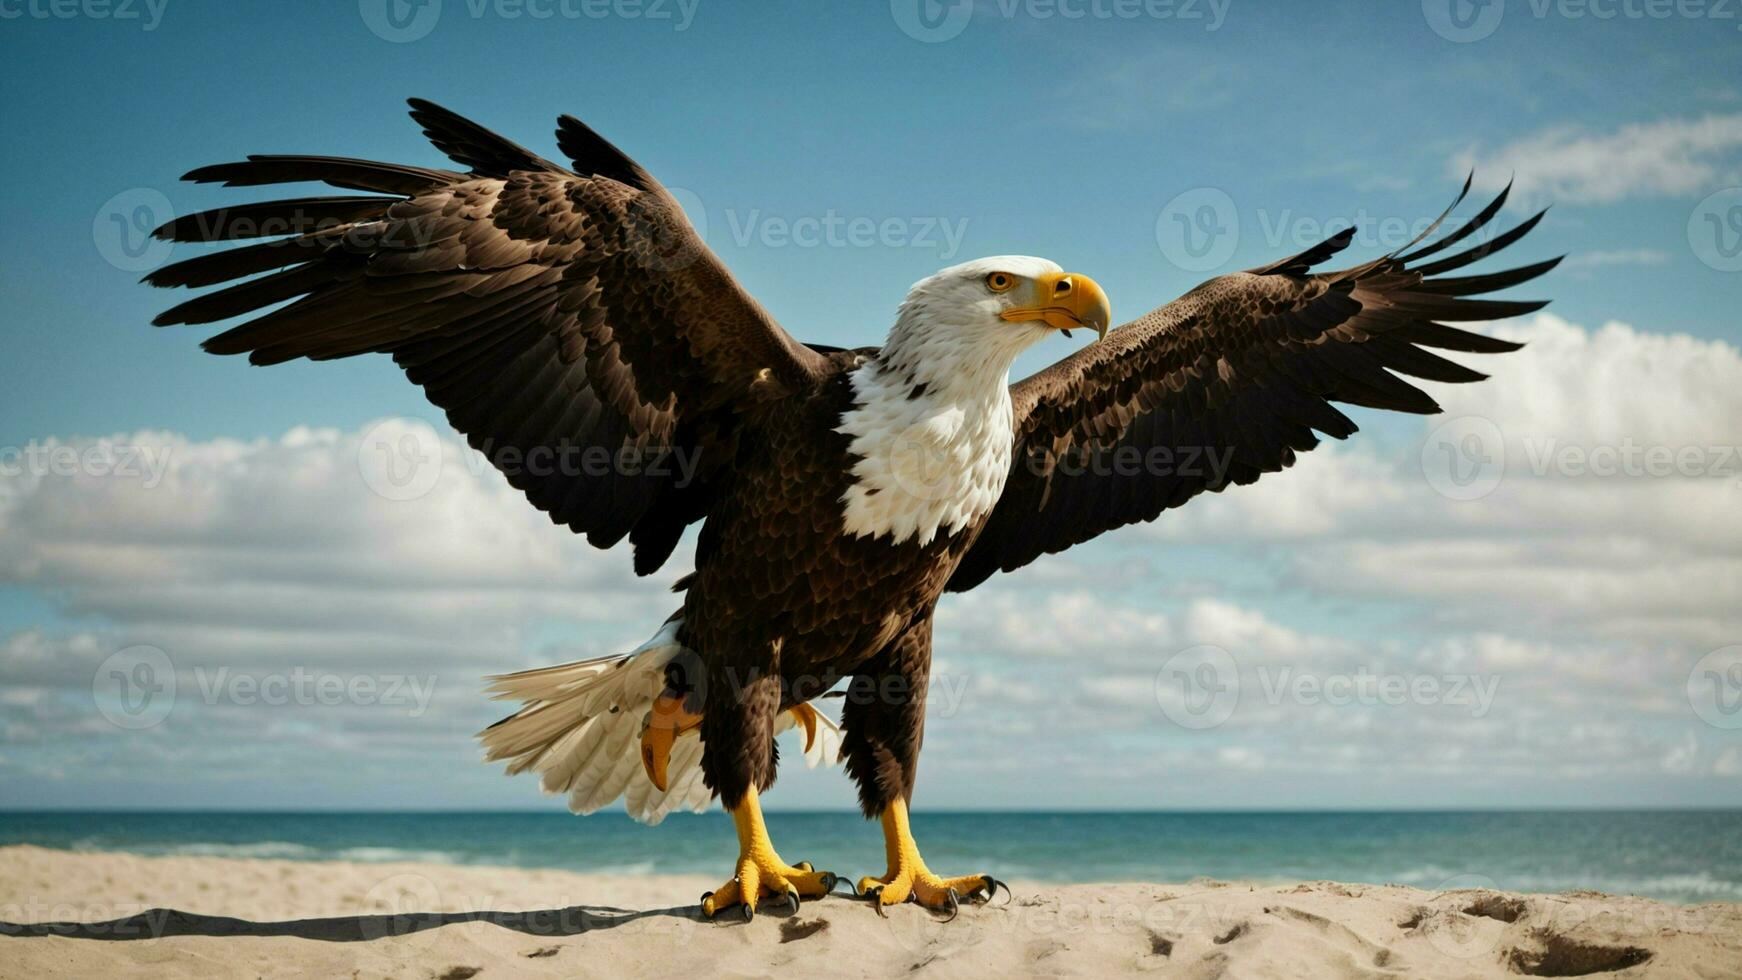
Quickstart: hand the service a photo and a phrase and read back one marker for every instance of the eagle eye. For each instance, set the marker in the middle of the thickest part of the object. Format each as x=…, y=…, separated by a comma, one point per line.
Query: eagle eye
x=998, y=282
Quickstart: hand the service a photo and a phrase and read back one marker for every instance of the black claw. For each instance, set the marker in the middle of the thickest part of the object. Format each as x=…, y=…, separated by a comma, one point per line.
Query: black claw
x=852, y=887
x=955, y=905
x=987, y=890
x=749, y=911
x=992, y=886
x=876, y=897
x=829, y=880
x=793, y=897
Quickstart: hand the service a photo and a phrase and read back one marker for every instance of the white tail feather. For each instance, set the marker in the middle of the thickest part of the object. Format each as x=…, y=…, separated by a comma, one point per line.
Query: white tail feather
x=580, y=731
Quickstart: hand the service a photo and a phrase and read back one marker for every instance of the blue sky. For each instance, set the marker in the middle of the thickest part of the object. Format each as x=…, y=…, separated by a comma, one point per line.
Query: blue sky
x=1029, y=131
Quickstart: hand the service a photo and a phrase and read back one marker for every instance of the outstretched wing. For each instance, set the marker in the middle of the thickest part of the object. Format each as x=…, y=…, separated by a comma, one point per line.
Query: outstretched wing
x=1230, y=381
x=570, y=322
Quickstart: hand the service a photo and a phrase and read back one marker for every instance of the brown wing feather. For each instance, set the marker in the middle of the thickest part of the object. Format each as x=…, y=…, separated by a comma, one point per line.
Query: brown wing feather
x=1230, y=382
x=562, y=319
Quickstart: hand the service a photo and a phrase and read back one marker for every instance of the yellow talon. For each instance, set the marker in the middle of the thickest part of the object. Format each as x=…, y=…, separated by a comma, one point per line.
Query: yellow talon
x=806, y=716
x=760, y=871
x=909, y=878
x=669, y=721
x=665, y=724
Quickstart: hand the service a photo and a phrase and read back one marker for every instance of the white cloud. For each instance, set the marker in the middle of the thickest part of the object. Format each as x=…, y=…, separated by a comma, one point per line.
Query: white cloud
x=1594, y=526
x=1445, y=716
x=1666, y=157
x=1584, y=600
x=286, y=534
x=274, y=559
x=1605, y=386
x=1614, y=257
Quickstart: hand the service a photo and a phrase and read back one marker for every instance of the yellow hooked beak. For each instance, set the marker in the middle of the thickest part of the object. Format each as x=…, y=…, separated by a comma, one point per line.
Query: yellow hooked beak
x=1063, y=301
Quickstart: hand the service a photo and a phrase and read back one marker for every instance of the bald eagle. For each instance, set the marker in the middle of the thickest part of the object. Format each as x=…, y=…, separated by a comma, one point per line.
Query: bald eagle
x=566, y=316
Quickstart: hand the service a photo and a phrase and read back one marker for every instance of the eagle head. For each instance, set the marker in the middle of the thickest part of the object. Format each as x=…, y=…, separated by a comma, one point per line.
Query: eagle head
x=989, y=310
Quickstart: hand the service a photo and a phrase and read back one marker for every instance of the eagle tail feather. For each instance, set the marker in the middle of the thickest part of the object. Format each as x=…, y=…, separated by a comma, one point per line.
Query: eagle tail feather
x=579, y=729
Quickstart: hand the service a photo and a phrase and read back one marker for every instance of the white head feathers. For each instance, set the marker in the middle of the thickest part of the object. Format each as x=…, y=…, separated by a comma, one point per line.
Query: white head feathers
x=931, y=420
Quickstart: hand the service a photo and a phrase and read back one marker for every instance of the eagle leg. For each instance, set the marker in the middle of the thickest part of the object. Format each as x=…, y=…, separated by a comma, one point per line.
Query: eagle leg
x=760, y=870
x=908, y=879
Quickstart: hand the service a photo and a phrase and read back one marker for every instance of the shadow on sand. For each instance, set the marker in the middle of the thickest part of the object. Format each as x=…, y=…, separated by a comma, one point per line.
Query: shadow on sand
x=158, y=923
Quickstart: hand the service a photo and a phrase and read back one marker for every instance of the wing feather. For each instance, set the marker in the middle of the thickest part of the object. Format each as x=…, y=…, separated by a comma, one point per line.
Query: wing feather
x=551, y=313
x=1234, y=380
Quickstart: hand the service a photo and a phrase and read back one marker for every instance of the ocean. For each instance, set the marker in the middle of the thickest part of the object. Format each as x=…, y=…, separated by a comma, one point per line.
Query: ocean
x=1676, y=856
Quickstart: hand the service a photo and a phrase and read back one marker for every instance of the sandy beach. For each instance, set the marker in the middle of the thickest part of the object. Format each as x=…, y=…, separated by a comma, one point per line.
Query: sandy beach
x=90, y=914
